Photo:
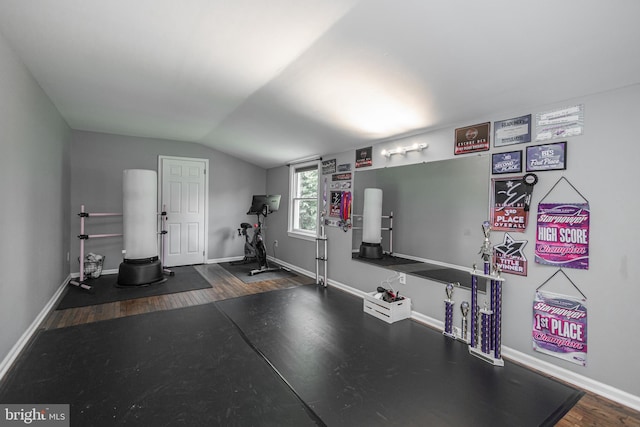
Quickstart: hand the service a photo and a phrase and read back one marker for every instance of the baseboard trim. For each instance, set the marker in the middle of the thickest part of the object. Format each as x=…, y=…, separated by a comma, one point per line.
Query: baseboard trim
x=22, y=342
x=220, y=260
x=585, y=383
x=105, y=272
x=429, y=321
x=292, y=267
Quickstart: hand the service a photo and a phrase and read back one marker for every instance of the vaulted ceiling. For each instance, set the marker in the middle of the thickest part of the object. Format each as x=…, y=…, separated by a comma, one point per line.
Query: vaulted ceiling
x=271, y=81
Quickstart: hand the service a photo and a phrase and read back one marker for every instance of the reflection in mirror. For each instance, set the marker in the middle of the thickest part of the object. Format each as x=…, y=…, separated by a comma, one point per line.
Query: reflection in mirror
x=438, y=209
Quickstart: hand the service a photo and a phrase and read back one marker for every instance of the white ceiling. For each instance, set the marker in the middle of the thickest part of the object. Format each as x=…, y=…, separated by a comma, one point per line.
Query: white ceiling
x=278, y=80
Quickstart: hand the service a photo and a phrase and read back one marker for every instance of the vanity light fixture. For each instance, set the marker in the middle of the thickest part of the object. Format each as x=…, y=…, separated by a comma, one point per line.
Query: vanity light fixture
x=404, y=150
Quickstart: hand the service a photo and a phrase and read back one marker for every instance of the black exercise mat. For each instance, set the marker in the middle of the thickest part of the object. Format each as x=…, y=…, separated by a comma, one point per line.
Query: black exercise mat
x=241, y=271
x=183, y=367
x=353, y=369
x=105, y=289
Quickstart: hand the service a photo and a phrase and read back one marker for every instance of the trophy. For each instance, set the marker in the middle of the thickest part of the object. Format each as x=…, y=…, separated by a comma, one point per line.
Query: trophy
x=464, y=308
x=487, y=332
x=488, y=320
x=485, y=250
x=449, y=290
x=448, y=314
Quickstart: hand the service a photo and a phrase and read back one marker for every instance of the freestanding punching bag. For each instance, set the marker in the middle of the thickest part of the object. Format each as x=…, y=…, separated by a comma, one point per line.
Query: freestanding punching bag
x=141, y=265
x=372, y=224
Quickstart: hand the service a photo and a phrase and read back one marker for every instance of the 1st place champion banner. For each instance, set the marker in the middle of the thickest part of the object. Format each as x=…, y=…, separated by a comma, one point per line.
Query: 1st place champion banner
x=562, y=237
x=560, y=326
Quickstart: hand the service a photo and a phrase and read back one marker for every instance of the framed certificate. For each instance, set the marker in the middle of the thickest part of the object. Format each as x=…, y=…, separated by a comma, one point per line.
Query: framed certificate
x=472, y=139
x=512, y=131
x=547, y=157
x=510, y=162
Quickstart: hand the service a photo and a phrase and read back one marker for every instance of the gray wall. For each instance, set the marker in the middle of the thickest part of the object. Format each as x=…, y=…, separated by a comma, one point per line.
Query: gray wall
x=96, y=181
x=603, y=165
x=35, y=199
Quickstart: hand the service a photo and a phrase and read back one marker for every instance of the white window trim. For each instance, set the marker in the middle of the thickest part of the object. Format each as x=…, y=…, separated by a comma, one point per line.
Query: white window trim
x=298, y=234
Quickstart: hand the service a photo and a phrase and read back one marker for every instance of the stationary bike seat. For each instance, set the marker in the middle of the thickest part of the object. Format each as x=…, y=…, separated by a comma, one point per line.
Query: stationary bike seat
x=245, y=225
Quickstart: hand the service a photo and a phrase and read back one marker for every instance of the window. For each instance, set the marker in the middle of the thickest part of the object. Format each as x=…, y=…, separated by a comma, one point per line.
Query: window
x=303, y=209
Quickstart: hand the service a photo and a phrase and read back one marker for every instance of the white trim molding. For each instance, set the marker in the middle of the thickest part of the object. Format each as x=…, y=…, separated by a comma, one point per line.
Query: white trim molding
x=578, y=380
x=22, y=342
x=226, y=259
x=103, y=273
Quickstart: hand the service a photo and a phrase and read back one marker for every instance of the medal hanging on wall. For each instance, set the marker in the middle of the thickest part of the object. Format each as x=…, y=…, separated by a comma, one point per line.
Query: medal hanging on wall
x=345, y=211
x=529, y=181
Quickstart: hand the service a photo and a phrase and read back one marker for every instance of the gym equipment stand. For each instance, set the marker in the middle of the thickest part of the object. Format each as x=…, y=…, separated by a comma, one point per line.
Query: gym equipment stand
x=81, y=283
x=321, y=258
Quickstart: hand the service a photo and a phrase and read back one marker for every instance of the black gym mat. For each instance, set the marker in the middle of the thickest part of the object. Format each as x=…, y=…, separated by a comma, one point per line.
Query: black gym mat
x=242, y=272
x=105, y=289
x=353, y=369
x=183, y=367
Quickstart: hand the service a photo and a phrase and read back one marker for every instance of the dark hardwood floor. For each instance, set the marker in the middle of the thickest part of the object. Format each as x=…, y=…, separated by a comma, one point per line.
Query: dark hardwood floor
x=591, y=410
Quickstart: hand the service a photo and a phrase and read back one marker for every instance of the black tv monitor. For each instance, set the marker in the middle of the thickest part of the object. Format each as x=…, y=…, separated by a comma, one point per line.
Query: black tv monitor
x=263, y=204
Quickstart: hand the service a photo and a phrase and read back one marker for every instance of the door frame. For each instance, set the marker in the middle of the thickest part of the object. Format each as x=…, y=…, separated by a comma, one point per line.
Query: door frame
x=205, y=229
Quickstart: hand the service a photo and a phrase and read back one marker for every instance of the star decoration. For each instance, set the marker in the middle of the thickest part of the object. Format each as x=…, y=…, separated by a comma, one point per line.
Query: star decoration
x=511, y=248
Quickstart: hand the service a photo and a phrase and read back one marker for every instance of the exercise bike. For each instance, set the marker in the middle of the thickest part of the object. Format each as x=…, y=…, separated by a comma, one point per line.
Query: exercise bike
x=254, y=248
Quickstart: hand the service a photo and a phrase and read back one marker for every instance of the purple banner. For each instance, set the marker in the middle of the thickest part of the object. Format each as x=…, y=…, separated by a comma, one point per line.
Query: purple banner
x=560, y=327
x=562, y=237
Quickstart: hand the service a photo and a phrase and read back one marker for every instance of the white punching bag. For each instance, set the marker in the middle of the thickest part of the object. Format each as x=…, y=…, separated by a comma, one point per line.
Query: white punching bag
x=141, y=265
x=372, y=224
x=139, y=213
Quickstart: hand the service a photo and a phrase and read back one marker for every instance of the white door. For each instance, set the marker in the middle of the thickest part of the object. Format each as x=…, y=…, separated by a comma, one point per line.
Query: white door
x=184, y=199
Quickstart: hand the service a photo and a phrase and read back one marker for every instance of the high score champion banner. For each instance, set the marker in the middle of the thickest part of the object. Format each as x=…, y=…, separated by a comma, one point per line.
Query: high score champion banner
x=562, y=237
x=560, y=327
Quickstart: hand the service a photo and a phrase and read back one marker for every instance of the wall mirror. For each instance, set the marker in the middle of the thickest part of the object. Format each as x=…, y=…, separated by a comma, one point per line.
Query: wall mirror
x=438, y=209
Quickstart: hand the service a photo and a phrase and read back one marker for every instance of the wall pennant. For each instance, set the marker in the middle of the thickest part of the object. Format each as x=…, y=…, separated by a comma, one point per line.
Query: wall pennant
x=560, y=324
x=562, y=235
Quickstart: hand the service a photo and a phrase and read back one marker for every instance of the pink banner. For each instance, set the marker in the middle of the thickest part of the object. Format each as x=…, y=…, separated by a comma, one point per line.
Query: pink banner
x=562, y=237
x=560, y=327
